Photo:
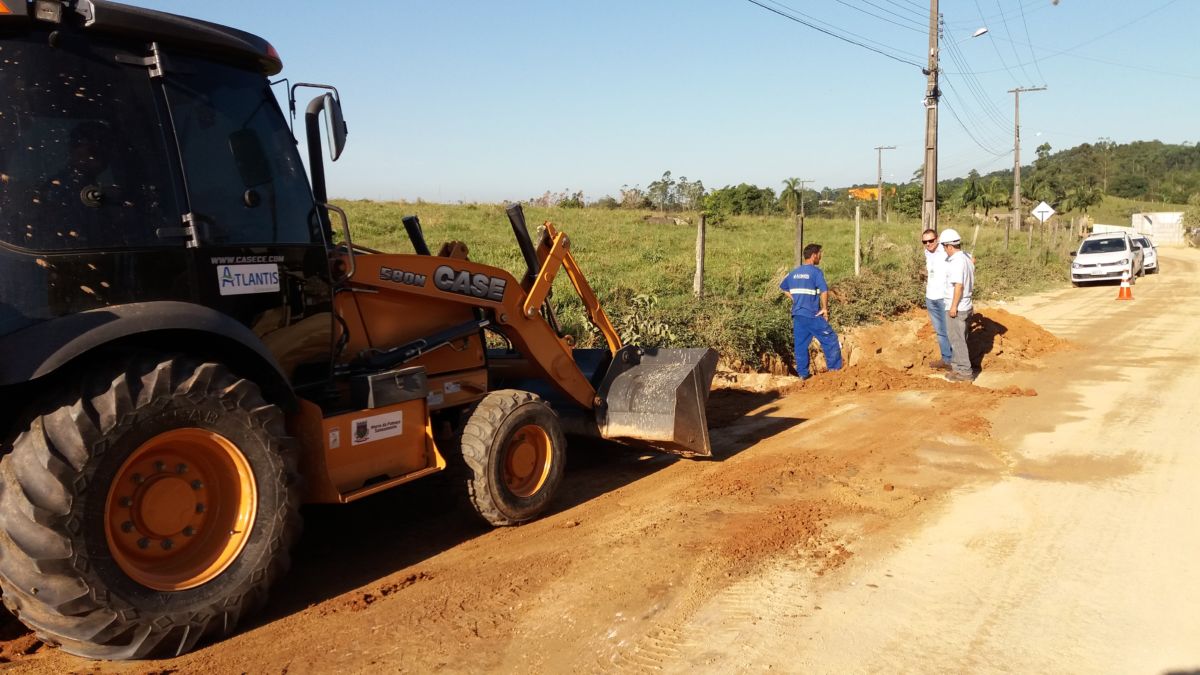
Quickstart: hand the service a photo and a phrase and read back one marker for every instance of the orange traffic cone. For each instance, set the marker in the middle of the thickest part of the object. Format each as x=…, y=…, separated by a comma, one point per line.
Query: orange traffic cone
x=1126, y=292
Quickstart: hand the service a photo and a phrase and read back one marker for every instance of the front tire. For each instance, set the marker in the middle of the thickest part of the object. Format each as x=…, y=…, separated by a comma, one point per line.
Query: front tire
x=513, y=445
x=147, y=511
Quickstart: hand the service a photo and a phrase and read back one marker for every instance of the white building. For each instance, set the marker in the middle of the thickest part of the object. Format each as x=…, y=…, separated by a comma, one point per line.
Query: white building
x=1163, y=227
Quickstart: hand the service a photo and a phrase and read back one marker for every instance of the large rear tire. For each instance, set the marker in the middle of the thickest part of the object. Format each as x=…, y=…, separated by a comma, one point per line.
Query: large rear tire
x=148, y=510
x=513, y=446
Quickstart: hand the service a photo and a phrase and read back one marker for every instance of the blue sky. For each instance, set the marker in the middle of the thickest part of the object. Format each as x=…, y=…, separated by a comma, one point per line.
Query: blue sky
x=469, y=100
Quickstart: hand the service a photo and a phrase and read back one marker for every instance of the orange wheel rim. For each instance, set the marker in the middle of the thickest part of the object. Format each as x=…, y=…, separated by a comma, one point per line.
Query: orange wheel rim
x=527, y=460
x=180, y=509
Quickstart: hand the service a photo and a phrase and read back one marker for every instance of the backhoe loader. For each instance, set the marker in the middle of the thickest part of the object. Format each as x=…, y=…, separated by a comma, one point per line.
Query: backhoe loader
x=190, y=352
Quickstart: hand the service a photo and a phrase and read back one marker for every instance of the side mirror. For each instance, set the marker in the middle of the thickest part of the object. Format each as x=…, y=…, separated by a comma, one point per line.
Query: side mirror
x=1072, y=253
x=335, y=127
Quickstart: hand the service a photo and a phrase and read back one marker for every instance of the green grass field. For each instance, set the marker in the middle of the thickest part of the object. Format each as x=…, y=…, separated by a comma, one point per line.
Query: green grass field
x=643, y=273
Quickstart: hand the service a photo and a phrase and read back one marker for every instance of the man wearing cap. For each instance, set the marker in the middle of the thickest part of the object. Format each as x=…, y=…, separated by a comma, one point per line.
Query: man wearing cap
x=935, y=295
x=810, y=312
x=960, y=282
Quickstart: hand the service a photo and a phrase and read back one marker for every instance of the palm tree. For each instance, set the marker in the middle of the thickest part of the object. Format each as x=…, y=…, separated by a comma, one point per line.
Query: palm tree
x=998, y=193
x=1081, y=198
x=790, y=197
x=970, y=195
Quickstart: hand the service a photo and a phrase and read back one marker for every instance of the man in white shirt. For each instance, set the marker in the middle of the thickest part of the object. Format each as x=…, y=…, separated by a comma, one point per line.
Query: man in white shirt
x=935, y=291
x=960, y=282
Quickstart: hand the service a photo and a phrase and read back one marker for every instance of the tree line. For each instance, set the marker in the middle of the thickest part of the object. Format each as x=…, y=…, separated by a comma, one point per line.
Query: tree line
x=1072, y=181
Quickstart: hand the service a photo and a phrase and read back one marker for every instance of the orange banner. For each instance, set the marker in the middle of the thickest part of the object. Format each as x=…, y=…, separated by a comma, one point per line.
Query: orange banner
x=4, y=9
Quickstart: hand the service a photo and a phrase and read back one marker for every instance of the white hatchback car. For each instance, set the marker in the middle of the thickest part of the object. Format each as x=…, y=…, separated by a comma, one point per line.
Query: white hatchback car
x=1149, y=254
x=1106, y=256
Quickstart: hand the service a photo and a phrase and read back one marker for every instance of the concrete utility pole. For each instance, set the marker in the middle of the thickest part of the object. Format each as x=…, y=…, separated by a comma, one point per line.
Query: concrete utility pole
x=799, y=251
x=1016, y=208
x=879, y=151
x=929, y=194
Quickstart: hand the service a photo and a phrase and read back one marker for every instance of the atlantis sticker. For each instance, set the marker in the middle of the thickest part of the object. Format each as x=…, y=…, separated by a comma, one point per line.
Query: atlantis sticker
x=376, y=428
x=246, y=279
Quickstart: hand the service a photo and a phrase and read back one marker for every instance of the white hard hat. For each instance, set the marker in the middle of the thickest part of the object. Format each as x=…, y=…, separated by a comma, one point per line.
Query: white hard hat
x=949, y=236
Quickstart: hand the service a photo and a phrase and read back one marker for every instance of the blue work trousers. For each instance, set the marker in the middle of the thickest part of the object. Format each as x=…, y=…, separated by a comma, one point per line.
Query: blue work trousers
x=804, y=329
x=937, y=318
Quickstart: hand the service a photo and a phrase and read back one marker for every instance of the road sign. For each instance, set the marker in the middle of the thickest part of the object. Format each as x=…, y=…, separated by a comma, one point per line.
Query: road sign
x=1043, y=212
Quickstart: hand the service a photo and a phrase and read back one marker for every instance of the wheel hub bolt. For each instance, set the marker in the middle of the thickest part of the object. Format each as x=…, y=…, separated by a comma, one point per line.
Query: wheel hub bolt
x=143, y=543
x=199, y=508
x=196, y=484
x=127, y=526
x=160, y=466
x=181, y=468
x=167, y=544
x=137, y=478
x=126, y=501
x=189, y=531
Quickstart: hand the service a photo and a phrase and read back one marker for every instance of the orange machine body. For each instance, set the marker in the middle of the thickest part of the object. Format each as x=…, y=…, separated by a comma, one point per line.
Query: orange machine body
x=392, y=300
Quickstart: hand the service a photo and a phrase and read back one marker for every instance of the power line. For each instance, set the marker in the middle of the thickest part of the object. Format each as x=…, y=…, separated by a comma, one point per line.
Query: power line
x=881, y=18
x=1008, y=32
x=976, y=88
x=1118, y=64
x=834, y=35
x=920, y=13
x=1122, y=26
x=1024, y=4
x=1031, y=52
x=990, y=151
x=991, y=39
x=985, y=139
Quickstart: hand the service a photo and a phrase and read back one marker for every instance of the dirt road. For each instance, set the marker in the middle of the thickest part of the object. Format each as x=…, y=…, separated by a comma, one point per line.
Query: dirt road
x=875, y=519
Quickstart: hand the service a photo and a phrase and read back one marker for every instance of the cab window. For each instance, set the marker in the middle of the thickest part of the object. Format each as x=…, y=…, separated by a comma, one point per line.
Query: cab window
x=83, y=151
x=245, y=182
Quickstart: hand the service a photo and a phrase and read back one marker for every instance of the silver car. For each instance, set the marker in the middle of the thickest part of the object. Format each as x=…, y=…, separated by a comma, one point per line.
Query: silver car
x=1149, y=254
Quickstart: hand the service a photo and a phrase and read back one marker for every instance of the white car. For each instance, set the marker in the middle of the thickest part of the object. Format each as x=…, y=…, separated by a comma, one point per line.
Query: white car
x=1106, y=256
x=1149, y=254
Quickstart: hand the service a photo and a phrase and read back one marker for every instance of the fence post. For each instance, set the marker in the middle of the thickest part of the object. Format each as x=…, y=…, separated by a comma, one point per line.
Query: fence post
x=698, y=282
x=975, y=237
x=857, y=236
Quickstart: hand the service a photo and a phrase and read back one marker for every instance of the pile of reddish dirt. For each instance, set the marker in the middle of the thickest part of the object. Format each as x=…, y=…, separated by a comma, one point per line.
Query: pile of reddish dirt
x=885, y=356
x=895, y=356
x=999, y=340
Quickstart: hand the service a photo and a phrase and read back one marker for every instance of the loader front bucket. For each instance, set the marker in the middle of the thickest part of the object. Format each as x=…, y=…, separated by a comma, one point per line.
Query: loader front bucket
x=656, y=397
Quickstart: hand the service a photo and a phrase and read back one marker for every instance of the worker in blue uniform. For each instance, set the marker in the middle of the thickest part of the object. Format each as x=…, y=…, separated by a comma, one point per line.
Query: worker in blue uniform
x=810, y=312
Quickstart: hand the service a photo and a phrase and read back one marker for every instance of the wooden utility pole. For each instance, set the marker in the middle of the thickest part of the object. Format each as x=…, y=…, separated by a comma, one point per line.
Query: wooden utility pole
x=879, y=152
x=799, y=252
x=698, y=282
x=929, y=194
x=1016, y=208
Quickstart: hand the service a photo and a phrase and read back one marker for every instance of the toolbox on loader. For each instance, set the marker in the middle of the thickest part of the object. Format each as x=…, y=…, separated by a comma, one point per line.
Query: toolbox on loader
x=191, y=352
